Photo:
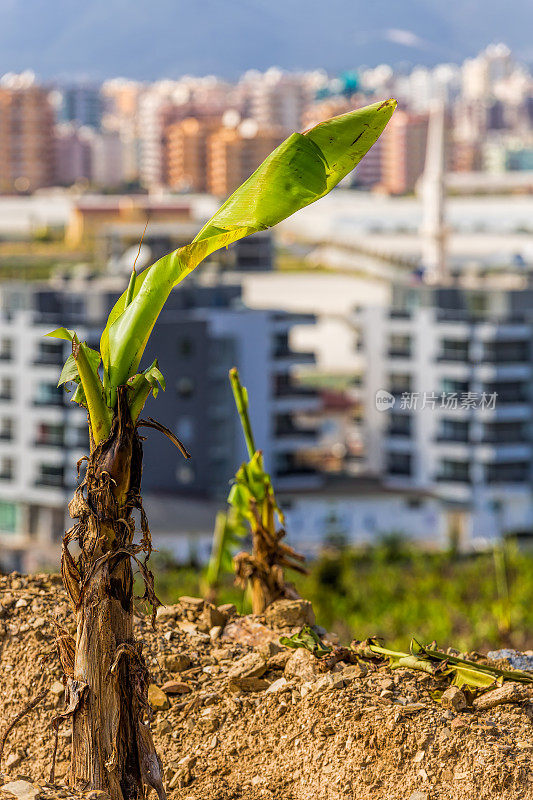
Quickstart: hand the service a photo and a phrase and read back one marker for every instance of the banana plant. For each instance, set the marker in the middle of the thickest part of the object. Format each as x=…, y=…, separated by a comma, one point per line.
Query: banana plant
x=253, y=501
x=228, y=532
x=107, y=679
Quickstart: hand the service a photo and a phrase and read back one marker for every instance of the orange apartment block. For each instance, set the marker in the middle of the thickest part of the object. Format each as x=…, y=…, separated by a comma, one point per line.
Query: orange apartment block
x=403, y=152
x=26, y=137
x=234, y=153
x=186, y=153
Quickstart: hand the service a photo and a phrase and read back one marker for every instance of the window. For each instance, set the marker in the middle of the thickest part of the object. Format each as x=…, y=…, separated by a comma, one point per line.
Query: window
x=6, y=430
x=50, y=353
x=399, y=382
x=8, y=517
x=185, y=388
x=454, y=471
x=51, y=475
x=7, y=469
x=400, y=424
x=50, y=435
x=6, y=349
x=399, y=346
x=454, y=350
x=453, y=386
x=6, y=389
x=504, y=432
x=453, y=430
x=48, y=394
x=505, y=352
x=508, y=391
x=185, y=428
x=510, y=472
x=399, y=464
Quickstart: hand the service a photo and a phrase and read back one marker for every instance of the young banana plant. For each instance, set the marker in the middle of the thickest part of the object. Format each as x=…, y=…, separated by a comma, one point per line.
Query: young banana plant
x=107, y=679
x=252, y=499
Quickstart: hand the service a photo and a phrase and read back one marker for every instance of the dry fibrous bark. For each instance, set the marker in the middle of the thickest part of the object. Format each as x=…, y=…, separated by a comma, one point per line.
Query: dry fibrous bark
x=263, y=568
x=106, y=675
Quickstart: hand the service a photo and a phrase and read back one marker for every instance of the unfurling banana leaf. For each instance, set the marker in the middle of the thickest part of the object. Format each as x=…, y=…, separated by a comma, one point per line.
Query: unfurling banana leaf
x=229, y=531
x=300, y=171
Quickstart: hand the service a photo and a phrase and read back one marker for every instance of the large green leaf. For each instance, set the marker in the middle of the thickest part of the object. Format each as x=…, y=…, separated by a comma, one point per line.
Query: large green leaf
x=300, y=171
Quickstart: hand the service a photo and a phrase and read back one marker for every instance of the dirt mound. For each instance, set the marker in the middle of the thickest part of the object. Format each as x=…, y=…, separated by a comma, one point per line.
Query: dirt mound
x=237, y=716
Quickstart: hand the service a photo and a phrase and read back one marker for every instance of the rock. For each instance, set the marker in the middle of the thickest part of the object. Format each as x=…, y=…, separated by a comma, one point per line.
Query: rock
x=176, y=687
x=164, y=727
x=14, y=759
x=175, y=662
x=279, y=661
x=302, y=664
x=228, y=609
x=248, y=684
x=221, y=654
x=419, y=796
x=157, y=698
x=212, y=617
x=515, y=658
x=508, y=693
x=192, y=607
x=453, y=698
x=251, y=665
x=97, y=794
x=23, y=790
x=168, y=612
x=214, y=633
x=22, y=603
x=290, y=614
x=327, y=682
x=277, y=686
x=351, y=672
x=57, y=688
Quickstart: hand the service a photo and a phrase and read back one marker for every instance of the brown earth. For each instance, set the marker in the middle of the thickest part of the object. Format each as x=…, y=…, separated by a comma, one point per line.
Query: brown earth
x=246, y=719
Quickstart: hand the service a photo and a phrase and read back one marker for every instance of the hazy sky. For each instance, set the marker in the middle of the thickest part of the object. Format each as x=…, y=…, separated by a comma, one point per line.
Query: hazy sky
x=155, y=38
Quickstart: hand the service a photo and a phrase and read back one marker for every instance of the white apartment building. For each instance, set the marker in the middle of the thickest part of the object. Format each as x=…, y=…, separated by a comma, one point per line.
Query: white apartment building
x=448, y=389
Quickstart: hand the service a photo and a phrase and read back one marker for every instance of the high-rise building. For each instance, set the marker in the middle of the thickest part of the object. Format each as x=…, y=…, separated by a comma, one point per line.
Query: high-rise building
x=403, y=151
x=277, y=99
x=26, y=134
x=203, y=331
x=234, y=153
x=72, y=161
x=186, y=153
x=80, y=103
x=448, y=388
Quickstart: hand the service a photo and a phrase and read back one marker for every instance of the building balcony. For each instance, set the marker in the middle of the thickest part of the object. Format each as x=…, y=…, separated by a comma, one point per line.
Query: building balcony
x=399, y=353
x=48, y=360
x=284, y=358
x=298, y=479
x=59, y=443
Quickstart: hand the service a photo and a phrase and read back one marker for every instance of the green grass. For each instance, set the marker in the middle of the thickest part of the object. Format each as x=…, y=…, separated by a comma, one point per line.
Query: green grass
x=399, y=592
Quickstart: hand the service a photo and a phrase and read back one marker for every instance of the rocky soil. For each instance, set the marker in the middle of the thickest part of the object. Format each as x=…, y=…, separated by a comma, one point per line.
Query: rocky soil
x=239, y=717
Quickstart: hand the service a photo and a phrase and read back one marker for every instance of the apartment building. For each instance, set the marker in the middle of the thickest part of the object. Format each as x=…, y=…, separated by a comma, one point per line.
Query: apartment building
x=448, y=390
x=186, y=153
x=203, y=331
x=234, y=153
x=403, y=151
x=26, y=134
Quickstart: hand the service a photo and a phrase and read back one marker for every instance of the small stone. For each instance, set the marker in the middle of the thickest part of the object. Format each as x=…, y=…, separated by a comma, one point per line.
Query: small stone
x=96, y=794
x=249, y=684
x=419, y=796
x=157, y=698
x=453, y=698
x=302, y=664
x=327, y=682
x=14, y=759
x=39, y=622
x=508, y=693
x=23, y=790
x=213, y=617
x=22, y=603
x=251, y=665
x=176, y=687
x=418, y=757
x=214, y=633
x=175, y=662
x=352, y=672
x=222, y=654
x=228, y=609
x=164, y=727
x=289, y=614
x=277, y=686
x=192, y=607
x=386, y=694
x=57, y=688
x=168, y=612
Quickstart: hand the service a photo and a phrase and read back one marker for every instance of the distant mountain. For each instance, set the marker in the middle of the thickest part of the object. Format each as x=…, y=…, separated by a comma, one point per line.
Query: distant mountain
x=148, y=39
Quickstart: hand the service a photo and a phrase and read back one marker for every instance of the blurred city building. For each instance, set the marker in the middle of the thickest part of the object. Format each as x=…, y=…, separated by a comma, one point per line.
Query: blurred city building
x=26, y=134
